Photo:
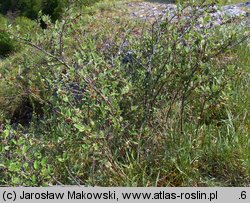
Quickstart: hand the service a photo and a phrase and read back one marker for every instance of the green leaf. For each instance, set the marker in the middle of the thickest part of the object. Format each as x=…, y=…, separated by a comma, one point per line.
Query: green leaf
x=68, y=113
x=2, y=166
x=33, y=179
x=25, y=149
x=92, y=123
x=36, y=165
x=66, y=99
x=15, y=180
x=79, y=127
x=7, y=148
x=125, y=90
x=43, y=162
x=134, y=108
x=15, y=167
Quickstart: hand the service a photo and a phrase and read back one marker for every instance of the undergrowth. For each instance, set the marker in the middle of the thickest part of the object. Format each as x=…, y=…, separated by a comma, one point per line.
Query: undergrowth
x=159, y=105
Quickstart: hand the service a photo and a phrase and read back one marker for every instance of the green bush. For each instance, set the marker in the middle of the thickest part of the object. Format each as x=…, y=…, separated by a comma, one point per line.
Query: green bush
x=31, y=8
x=25, y=25
x=153, y=112
x=22, y=161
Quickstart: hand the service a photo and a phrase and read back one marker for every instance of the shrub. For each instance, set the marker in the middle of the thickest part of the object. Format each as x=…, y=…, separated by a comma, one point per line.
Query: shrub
x=22, y=162
x=150, y=120
x=25, y=25
x=31, y=8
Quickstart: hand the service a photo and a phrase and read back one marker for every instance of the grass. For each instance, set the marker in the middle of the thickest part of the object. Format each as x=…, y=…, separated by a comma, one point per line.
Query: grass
x=225, y=2
x=101, y=148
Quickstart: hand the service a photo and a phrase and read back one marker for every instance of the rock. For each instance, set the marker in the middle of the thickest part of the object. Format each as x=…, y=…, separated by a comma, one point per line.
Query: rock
x=146, y=10
x=246, y=4
x=233, y=11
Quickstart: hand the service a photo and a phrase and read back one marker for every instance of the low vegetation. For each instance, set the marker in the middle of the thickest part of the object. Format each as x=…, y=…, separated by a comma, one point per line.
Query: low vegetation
x=99, y=99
